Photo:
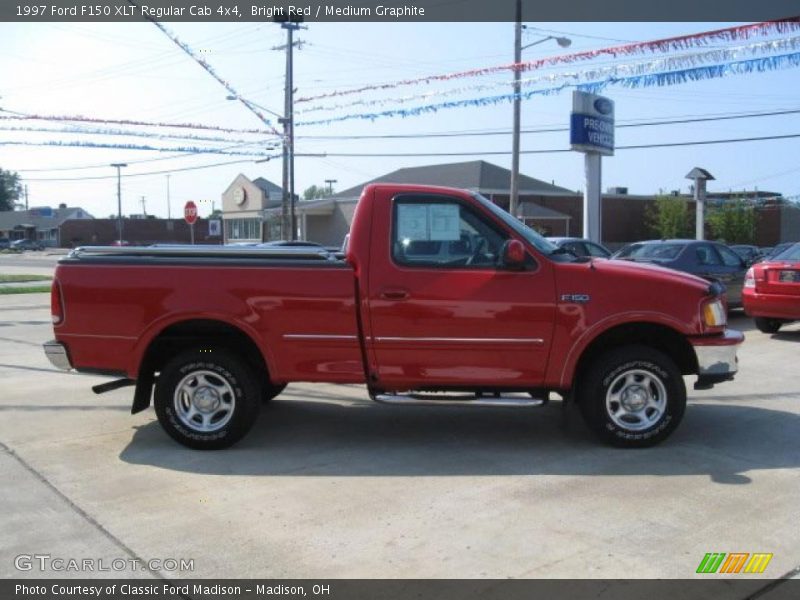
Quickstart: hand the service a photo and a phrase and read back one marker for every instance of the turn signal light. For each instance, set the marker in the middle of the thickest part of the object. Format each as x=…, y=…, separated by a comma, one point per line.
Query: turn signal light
x=56, y=306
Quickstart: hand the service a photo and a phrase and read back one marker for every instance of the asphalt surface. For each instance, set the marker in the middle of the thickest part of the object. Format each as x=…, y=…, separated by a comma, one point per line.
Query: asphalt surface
x=330, y=485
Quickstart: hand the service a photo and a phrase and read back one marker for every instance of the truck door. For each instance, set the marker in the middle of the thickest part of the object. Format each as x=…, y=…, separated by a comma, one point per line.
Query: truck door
x=442, y=311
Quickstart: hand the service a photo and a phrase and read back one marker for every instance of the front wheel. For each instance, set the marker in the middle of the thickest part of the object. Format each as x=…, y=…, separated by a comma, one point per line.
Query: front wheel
x=765, y=325
x=207, y=400
x=632, y=396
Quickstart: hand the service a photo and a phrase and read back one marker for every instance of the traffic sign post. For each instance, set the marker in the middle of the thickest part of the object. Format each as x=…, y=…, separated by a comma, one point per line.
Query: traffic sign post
x=190, y=216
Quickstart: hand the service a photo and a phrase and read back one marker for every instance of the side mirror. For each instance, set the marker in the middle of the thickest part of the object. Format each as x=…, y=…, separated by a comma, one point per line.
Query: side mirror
x=513, y=255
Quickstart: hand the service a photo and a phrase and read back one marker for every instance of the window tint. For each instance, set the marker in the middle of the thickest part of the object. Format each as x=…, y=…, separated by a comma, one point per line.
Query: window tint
x=595, y=250
x=577, y=248
x=707, y=255
x=439, y=231
x=729, y=257
x=657, y=251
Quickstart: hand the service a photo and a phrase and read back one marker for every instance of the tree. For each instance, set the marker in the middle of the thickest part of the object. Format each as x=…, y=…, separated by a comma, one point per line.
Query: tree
x=733, y=222
x=668, y=217
x=314, y=192
x=10, y=190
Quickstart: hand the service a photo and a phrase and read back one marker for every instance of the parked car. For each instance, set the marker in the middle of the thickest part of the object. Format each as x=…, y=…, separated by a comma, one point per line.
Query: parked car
x=772, y=290
x=750, y=254
x=120, y=243
x=581, y=246
x=5, y=243
x=26, y=245
x=710, y=260
x=777, y=250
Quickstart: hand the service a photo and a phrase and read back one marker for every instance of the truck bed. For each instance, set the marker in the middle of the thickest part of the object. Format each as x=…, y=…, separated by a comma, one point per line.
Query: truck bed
x=300, y=300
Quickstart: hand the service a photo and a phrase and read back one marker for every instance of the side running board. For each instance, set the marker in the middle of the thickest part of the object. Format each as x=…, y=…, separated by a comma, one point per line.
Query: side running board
x=519, y=400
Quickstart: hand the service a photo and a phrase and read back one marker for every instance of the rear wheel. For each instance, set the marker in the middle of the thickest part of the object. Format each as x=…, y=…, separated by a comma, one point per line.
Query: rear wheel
x=207, y=400
x=765, y=325
x=632, y=396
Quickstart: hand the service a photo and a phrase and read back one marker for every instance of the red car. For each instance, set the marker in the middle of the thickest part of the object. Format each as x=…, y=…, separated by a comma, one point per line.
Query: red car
x=772, y=290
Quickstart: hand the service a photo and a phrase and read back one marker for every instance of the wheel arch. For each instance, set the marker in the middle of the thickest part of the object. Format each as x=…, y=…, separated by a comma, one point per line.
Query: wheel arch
x=663, y=338
x=189, y=333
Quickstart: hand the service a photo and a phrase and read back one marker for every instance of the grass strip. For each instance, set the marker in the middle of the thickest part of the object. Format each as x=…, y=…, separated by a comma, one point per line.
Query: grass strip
x=28, y=289
x=23, y=278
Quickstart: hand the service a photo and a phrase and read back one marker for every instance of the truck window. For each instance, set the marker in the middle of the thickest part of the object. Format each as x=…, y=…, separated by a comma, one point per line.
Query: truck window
x=438, y=231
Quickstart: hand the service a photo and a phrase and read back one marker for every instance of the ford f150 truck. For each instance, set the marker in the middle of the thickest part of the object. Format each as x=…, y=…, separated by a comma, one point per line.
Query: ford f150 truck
x=440, y=298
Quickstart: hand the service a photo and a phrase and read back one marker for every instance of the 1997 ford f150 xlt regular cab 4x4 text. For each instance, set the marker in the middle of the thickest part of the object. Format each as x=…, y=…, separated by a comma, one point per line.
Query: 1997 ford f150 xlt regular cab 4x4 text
x=440, y=298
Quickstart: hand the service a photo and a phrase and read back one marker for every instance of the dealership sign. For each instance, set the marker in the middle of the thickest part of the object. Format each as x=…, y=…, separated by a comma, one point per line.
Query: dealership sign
x=592, y=123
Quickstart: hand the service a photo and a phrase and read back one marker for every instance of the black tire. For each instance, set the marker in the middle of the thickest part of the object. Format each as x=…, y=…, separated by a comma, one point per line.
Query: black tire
x=632, y=397
x=207, y=400
x=270, y=391
x=765, y=325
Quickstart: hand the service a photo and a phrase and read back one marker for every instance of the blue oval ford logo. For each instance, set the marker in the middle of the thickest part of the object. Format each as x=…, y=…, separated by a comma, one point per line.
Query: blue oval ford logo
x=604, y=106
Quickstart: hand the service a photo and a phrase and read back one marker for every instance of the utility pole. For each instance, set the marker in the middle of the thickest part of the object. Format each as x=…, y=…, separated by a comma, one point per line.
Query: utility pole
x=26, y=196
x=330, y=183
x=119, y=166
x=169, y=211
x=289, y=218
x=513, y=200
x=144, y=207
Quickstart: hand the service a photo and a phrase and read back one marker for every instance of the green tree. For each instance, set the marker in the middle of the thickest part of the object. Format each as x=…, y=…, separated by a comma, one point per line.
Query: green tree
x=733, y=222
x=668, y=217
x=10, y=190
x=314, y=192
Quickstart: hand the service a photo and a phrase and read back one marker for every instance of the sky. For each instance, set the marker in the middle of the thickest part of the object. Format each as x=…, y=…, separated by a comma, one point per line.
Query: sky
x=133, y=71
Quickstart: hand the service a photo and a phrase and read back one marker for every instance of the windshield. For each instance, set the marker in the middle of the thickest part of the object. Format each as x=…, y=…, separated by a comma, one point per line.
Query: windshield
x=539, y=242
x=791, y=253
x=657, y=251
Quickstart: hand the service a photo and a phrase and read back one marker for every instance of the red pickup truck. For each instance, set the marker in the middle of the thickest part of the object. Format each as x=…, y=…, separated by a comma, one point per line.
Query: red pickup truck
x=440, y=298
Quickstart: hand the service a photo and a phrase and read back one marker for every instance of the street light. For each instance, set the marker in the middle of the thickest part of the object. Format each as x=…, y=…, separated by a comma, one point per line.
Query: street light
x=119, y=166
x=513, y=201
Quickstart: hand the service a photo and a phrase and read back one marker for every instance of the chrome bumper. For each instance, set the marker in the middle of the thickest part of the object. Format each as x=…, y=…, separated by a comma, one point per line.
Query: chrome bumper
x=716, y=360
x=717, y=355
x=56, y=352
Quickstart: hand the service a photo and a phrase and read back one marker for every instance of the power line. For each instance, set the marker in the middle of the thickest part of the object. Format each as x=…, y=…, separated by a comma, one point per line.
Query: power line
x=558, y=150
x=127, y=176
x=548, y=130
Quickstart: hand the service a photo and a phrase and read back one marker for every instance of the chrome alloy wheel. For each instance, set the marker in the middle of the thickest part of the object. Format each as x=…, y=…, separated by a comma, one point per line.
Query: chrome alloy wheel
x=636, y=400
x=204, y=401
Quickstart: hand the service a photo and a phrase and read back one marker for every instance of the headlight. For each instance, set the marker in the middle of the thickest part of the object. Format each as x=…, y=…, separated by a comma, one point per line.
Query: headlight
x=714, y=314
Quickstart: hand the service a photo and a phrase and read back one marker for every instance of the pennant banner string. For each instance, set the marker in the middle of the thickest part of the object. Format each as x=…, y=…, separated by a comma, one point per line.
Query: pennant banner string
x=664, y=78
x=671, y=63
x=188, y=150
x=187, y=49
x=729, y=34
x=132, y=133
x=82, y=119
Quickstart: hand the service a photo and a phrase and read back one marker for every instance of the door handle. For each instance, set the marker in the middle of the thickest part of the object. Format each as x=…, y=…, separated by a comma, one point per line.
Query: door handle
x=394, y=294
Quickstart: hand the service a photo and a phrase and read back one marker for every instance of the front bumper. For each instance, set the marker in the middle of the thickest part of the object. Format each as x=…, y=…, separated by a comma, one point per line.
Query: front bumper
x=716, y=358
x=57, y=353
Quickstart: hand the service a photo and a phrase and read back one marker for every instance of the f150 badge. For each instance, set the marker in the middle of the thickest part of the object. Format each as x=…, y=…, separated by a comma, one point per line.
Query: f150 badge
x=577, y=298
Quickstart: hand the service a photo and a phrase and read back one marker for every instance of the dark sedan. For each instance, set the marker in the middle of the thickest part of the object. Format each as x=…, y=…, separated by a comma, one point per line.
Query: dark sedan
x=709, y=260
x=581, y=247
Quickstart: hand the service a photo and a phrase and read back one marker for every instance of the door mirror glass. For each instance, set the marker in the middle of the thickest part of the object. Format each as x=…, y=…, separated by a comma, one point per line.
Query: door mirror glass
x=513, y=254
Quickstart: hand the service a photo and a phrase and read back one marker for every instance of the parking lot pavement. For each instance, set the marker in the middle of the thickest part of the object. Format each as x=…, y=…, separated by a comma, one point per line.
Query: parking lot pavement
x=331, y=485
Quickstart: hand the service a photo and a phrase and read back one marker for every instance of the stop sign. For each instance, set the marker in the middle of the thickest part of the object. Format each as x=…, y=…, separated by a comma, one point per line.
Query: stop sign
x=190, y=212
